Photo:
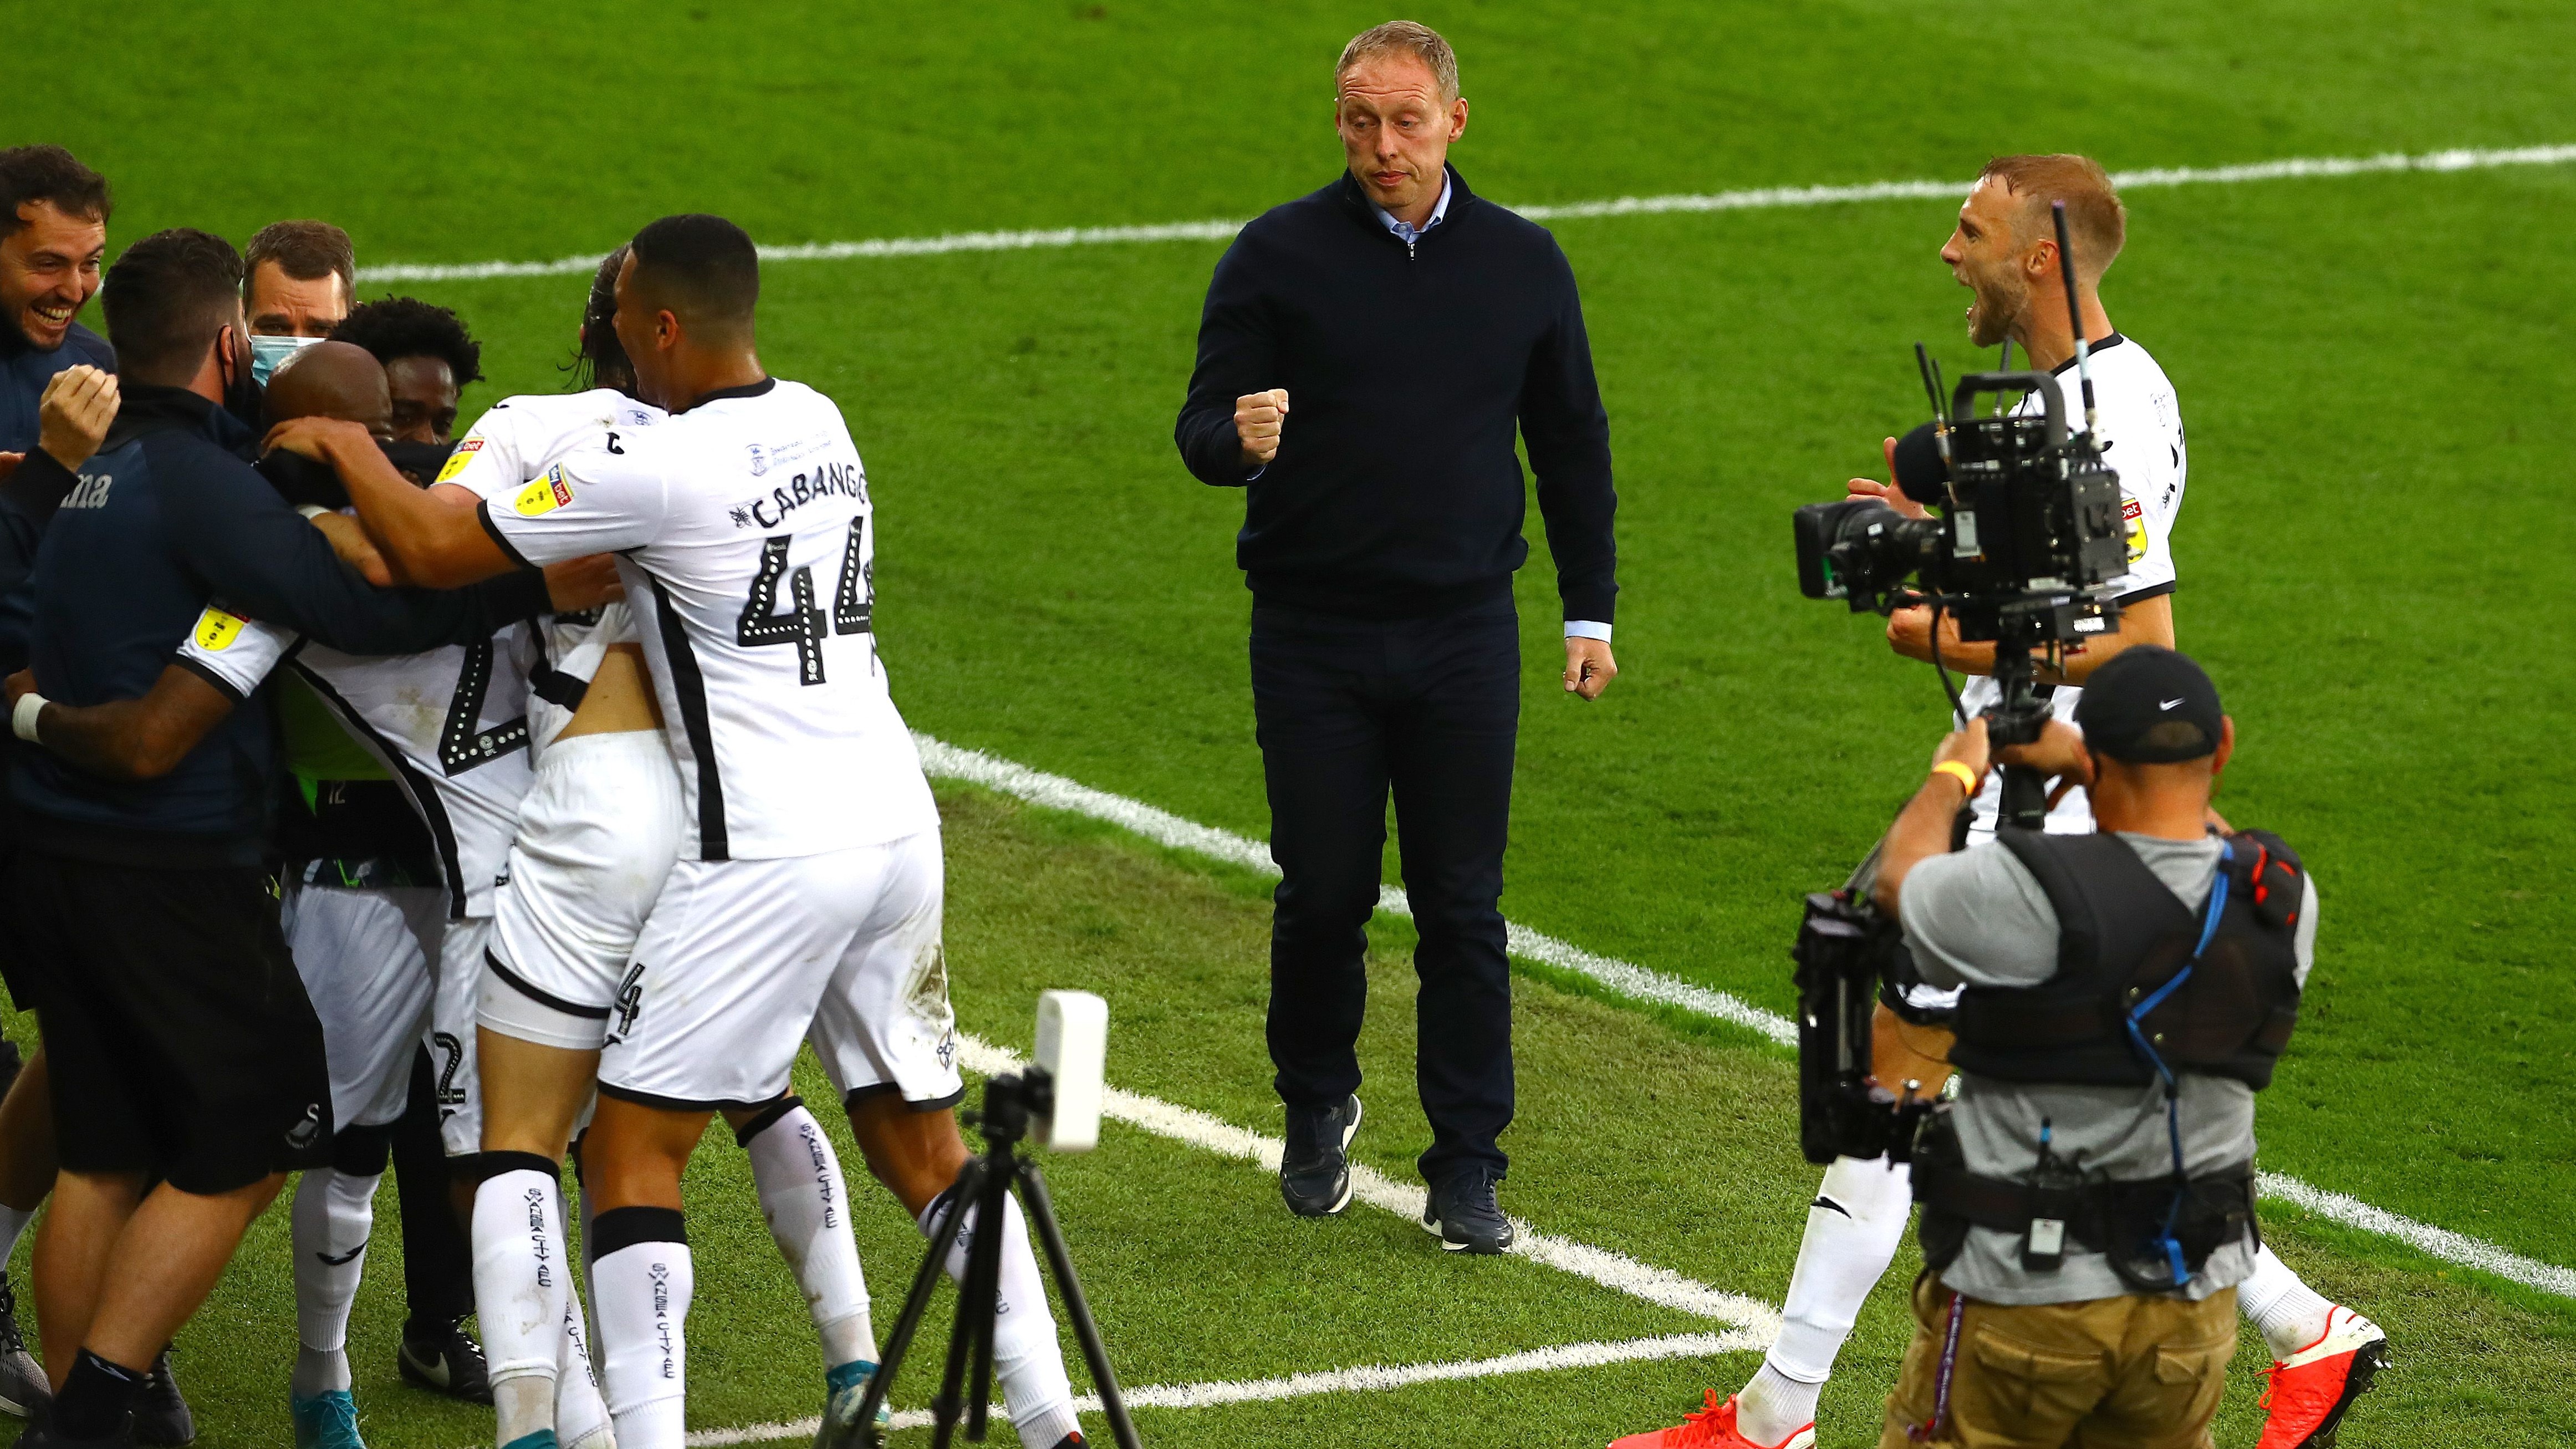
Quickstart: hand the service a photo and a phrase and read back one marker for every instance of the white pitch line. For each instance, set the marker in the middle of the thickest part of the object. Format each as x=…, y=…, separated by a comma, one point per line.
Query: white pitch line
x=1164, y=828
x=1611, y=1270
x=1753, y=199
x=1374, y=1378
x=1637, y=982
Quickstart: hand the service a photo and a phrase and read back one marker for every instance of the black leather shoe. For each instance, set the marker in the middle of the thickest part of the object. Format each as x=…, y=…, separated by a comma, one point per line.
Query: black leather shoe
x=23, y=1390
x=444, y=1359
x=1315, y=1171
x=1462, y=1213
x=40, y=1435
x=160, y=1415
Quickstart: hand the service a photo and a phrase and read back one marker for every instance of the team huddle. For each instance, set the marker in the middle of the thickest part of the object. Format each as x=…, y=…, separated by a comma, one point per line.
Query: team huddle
x=659, y=827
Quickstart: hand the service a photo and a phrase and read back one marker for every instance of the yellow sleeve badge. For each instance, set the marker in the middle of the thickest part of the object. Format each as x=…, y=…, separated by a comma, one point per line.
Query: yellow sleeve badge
x=216, y=629
x=2134, y=518
x=545, y=495
x=457, y=460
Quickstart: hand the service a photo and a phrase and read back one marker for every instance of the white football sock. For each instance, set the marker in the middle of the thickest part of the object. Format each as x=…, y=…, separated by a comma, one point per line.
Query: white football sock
x=581, y=1411
x=520, y=1294
x=801, y=1195
x=1852, y=1235
x=13, y=1225
x=1026, y=1356
x=2290, y=1314
x=643, y=1308
x=333, y=1213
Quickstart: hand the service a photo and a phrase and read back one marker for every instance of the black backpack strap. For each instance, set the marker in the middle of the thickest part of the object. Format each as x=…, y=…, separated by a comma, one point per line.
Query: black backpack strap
x=2078, y=939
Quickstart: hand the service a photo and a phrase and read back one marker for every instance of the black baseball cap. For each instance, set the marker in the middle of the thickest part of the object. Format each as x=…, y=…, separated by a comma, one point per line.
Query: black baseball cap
x=2150, y=706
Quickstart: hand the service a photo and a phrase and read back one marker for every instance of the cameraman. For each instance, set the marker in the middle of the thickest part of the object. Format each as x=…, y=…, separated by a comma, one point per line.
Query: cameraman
x=2123, y=996
x=2004, y=250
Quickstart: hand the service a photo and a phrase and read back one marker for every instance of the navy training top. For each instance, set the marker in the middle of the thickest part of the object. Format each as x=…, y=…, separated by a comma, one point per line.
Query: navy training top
x=166, y=519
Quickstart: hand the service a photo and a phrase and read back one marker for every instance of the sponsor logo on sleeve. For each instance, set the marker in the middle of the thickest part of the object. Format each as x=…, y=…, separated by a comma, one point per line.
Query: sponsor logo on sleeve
x=2135, y=517
x=216, y=629
x=457, y=460
x=545, y=495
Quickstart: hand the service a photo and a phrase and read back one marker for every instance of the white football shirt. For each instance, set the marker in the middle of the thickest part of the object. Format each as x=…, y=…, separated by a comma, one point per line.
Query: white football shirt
x=745, y=534
x=514, y=441
x=450, y=725
x=2141, y=438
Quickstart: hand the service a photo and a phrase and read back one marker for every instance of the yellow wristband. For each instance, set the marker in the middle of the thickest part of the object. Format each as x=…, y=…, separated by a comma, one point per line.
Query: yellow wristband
x=1966, y=777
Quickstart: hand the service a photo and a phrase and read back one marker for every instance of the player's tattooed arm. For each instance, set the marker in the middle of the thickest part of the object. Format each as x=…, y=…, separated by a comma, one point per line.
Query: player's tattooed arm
x=129, y=739
x=426, y=541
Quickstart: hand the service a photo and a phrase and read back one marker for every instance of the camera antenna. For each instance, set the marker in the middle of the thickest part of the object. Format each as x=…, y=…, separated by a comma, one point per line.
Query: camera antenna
x=2074, y=313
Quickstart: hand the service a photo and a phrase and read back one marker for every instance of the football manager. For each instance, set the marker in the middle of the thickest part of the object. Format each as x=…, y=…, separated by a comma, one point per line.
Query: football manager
x=1365, y=358
x=2088, y=1201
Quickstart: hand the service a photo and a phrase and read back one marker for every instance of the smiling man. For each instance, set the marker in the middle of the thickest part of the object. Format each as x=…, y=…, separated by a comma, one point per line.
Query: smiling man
x=53, y=234
x=1417, y=330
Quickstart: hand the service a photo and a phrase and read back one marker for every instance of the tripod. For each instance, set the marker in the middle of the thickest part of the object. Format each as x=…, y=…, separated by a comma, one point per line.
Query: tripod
x=983, y=1186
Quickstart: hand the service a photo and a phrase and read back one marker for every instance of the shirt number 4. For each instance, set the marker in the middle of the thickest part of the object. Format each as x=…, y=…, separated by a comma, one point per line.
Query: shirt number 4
x=853, y=603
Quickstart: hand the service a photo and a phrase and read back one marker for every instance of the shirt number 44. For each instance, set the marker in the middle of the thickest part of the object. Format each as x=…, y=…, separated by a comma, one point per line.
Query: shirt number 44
x=803, y=625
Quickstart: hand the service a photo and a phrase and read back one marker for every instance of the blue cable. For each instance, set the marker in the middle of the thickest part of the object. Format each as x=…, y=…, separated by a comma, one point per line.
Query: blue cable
x=2217, y=906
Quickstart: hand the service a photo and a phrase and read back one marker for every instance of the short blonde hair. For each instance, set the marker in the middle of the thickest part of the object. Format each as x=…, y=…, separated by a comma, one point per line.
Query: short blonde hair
x=2095, y=220
x=1402, y=37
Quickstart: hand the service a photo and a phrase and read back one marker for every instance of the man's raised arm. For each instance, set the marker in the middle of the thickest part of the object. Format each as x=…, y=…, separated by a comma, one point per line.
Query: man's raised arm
x=427, y=541
x=263, y=560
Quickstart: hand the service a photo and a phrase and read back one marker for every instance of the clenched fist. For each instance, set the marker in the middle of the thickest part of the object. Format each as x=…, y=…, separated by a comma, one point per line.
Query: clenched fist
x=72, y=420
x=1257, y=418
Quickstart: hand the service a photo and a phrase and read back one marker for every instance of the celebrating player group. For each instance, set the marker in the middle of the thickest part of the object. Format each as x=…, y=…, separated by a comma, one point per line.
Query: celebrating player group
x=670, y=829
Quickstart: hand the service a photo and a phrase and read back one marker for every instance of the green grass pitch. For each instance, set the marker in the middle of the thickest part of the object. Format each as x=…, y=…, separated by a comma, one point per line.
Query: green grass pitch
x=2370, y=369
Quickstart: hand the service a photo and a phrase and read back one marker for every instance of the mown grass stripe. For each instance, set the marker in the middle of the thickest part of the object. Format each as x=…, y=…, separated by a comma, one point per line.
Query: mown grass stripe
x=1617, y=1271
x=1751, y=199
x=1641, y=984
x=1372, y=1378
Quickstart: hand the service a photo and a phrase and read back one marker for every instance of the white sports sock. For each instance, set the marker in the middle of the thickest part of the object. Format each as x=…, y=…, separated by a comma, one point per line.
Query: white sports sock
x=1774, y=1406
x=2290, y=1314
x=333, y=1214
x=643, y=1308
x=13, y=1225
x=520, y=1294
x=1026, y=1356
x=801, y=1195
x=581, y=1412
x=1852, y=1234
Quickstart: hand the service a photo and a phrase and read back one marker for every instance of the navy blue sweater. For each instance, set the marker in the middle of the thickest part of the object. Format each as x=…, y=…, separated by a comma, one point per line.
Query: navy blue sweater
x=1396, y=490
x=166, y=519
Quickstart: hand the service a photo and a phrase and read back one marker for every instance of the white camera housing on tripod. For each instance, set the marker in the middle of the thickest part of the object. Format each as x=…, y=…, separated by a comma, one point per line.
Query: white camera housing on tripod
x=1073, y=1047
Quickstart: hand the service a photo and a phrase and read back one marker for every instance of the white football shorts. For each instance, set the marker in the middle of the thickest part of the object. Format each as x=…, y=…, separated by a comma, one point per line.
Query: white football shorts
x=597, y=835
x=365, y=958
x=740, y=956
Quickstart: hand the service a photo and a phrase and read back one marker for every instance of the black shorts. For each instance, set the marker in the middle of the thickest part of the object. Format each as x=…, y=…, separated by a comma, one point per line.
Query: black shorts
x=179, y=1036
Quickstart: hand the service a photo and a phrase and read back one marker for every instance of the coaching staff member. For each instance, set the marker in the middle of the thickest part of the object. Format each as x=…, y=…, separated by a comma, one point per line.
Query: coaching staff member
x=1414, y=327
x=2126, y=994
x=187, y=1065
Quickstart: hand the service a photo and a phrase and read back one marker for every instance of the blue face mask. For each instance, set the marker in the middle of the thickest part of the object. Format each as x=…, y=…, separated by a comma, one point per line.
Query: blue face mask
x=267, y=354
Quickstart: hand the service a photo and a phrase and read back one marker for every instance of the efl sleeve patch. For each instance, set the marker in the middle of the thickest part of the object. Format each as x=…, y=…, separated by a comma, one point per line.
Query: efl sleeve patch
x=2134, y=518
x=216, y=630
x=544, y=495
x=458, y=461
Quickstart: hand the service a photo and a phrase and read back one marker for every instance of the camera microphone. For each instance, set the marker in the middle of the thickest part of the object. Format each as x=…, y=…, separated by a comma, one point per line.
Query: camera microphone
x=1921, y=472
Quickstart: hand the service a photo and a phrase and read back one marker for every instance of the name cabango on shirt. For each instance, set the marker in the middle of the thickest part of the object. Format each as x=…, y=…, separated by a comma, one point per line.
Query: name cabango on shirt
x=835, y=477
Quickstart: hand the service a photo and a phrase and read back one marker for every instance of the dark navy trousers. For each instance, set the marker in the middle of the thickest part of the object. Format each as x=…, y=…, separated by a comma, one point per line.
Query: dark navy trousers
x=1350, y=711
